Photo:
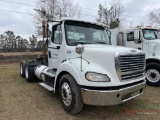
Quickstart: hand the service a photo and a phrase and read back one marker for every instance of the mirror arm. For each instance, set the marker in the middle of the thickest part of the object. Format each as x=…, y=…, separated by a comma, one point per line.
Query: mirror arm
x=109, y=35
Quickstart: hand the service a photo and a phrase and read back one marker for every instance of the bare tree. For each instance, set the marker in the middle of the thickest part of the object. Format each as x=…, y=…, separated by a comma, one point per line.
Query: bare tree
x=19, y=40
x=2, y=41
x=33, y=42
x=110, y=15
x=154, y=16
x=10, y=39
x=39, y=44
x=55, y=9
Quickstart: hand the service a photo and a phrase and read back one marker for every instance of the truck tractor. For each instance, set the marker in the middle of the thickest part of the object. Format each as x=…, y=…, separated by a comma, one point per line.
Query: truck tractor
x=146, y=39
x=84, y=68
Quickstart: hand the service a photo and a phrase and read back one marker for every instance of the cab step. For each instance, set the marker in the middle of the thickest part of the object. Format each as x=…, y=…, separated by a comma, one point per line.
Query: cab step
x=46, y=86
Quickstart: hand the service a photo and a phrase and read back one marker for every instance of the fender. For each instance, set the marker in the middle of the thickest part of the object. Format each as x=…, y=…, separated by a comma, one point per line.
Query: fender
x=68, y=67
x=149, y=60
x=72, y=67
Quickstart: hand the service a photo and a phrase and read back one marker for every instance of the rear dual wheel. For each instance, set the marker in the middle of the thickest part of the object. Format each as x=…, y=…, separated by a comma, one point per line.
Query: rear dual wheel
x=27, y=71
x=22, y=68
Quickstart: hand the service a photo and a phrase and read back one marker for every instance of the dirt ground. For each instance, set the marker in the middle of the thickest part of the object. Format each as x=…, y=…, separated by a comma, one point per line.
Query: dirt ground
x=19, y=53
x=20, y=100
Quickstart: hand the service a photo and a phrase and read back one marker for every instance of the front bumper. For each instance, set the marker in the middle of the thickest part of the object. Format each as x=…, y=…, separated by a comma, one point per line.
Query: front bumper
x=112, y=97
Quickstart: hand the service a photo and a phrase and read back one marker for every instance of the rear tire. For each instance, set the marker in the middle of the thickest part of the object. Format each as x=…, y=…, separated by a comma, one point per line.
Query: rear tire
x=22, y=68
x=153, y=74
x=29, y=73
x=70, y=94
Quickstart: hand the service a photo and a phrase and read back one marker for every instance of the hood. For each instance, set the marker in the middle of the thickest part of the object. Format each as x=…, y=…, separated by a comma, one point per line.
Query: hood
x=109, y=48
x=101, y=58
x=99, y=50
x=105, y=54
x=155, y=41
x=100, y=54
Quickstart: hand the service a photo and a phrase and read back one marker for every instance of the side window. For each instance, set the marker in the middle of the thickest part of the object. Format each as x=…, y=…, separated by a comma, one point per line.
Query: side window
x=130, y=36
x=57, y=34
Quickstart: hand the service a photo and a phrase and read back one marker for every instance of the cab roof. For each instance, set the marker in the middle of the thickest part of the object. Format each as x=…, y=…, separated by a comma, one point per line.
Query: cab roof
x=132, y=29
x=80, y=20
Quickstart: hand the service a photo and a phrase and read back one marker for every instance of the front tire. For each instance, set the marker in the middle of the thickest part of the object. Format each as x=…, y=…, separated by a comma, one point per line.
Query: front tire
x=70, y=94
x=153, y=74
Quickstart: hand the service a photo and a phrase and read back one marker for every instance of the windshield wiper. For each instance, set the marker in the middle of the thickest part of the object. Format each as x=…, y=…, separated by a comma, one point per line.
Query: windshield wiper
x=100, y=43
x=76, y=43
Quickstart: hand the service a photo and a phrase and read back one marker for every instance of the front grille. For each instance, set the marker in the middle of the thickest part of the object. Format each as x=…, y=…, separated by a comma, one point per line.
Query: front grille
x=131, y=66
x=131, y=76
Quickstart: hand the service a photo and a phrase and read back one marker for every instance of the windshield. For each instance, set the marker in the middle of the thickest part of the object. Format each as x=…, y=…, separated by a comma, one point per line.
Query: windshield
x=85, y=33
x=151, y=34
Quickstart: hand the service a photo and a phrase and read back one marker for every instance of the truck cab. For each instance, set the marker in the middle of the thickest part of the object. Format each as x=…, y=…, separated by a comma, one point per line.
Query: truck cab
x=84, y=68
x=146, y=39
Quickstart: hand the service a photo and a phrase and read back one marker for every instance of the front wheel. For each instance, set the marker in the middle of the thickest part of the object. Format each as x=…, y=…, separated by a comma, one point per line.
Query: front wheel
x=153, y=74
x=70, y=94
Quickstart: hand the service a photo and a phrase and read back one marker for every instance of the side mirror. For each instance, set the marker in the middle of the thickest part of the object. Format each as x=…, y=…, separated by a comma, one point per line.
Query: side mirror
x=137, y=36
x=79, y=49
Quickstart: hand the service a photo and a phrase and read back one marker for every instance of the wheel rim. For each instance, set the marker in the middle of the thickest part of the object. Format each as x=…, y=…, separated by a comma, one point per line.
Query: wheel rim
x=26, y=72
x=153, y=75
x=66, y=94
x=21, y=69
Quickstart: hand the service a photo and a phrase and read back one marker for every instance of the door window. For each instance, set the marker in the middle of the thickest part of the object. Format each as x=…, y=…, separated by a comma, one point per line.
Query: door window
x=57, y=34
x=130, y=36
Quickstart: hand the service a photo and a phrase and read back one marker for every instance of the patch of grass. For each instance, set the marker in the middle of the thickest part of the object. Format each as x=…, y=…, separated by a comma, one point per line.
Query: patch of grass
x=20, y=100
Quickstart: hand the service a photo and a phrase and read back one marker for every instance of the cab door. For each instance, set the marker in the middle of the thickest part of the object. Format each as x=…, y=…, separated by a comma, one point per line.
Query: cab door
x=130, y=41
x=55, y=47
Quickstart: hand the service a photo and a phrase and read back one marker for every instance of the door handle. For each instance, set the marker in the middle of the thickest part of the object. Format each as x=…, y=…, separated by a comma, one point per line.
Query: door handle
x=57, y=47
x=139, y=48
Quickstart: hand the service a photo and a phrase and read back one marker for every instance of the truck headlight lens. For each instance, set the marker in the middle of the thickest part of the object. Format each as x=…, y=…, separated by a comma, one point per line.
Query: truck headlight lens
x=97, y=77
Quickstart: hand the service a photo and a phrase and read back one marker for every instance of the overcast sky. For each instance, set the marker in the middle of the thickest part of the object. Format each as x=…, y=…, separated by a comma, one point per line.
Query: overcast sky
x=22, y=24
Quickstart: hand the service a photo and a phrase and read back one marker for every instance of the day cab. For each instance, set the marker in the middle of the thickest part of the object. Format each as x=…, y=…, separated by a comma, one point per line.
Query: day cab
x=84, y=68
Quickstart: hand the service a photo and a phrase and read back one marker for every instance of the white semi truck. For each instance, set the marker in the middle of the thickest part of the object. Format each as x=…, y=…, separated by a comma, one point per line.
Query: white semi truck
x=84, y=68
x=146, y=39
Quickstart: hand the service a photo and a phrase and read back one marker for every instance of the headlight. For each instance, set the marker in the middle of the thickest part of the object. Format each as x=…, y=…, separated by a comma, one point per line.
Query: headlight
x=97, y=77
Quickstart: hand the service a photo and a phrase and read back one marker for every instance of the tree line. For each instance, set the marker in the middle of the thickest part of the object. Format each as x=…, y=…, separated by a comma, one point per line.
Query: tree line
x=56, y=9
x=9, y=42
